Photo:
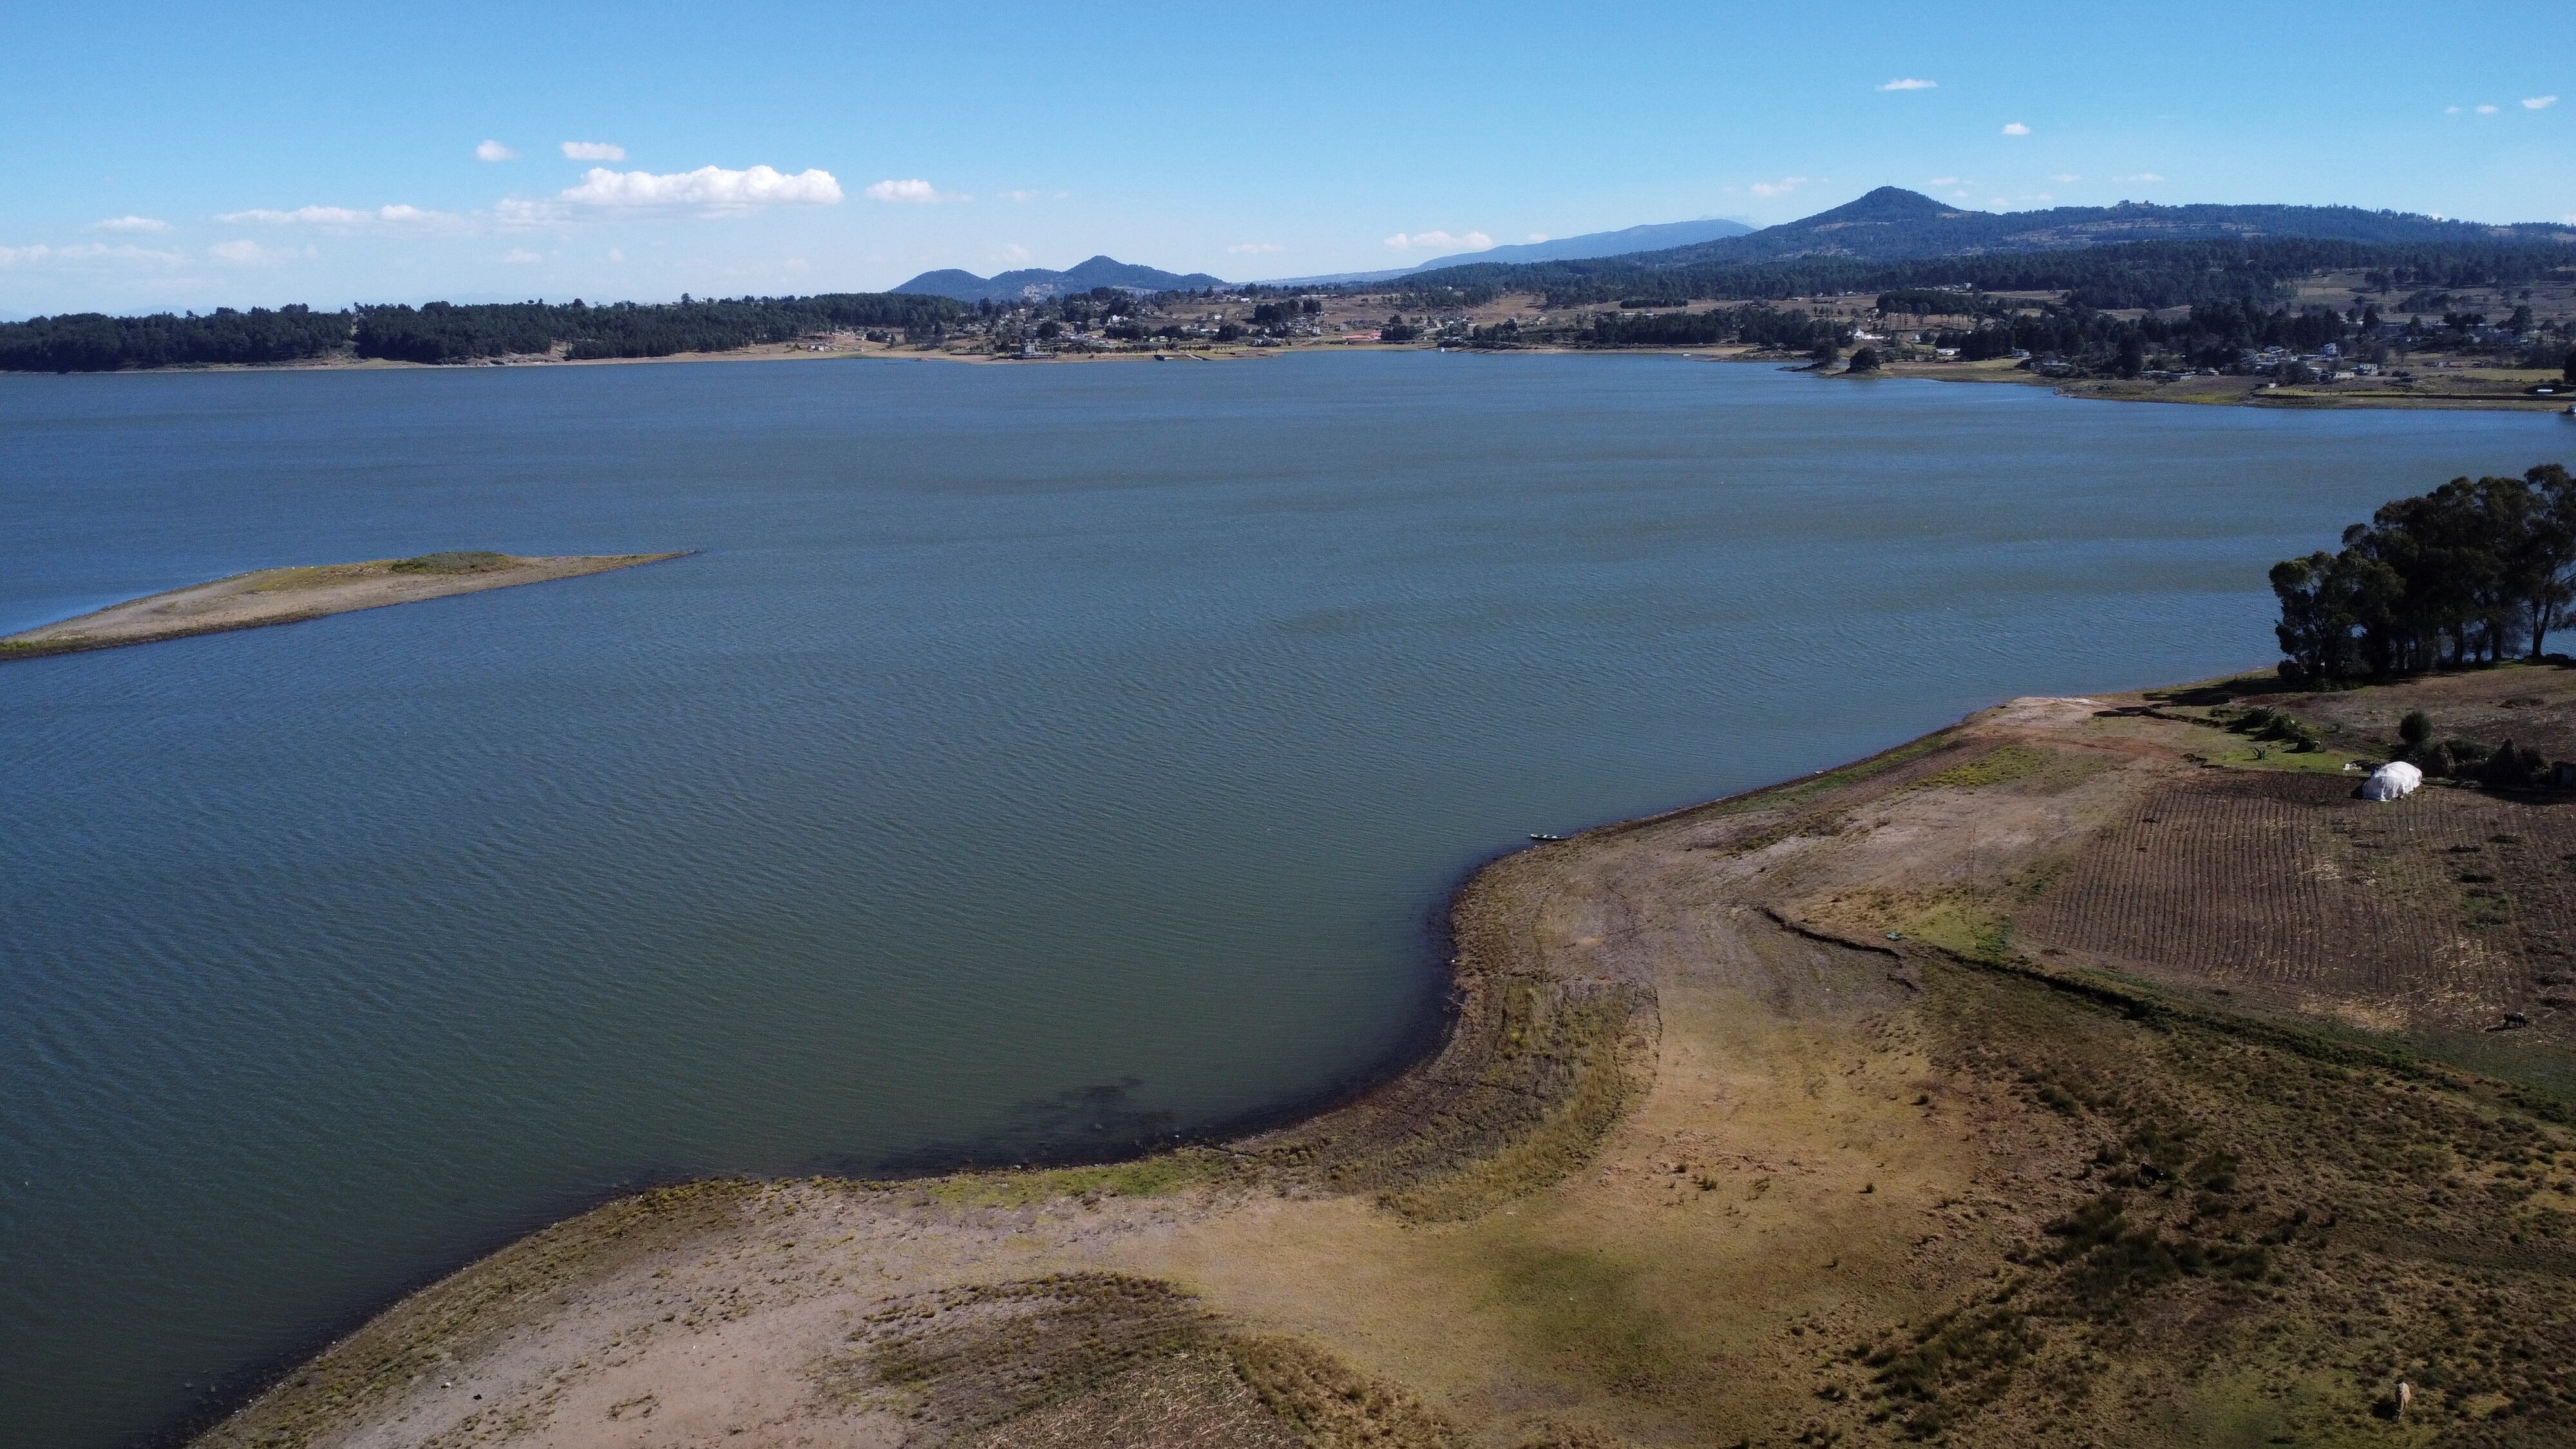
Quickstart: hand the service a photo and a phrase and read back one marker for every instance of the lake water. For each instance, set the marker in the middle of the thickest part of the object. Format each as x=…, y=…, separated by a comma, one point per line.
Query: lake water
x=1031, y=760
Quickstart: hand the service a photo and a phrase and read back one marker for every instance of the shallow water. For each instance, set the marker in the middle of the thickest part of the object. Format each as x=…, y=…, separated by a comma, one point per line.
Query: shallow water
x=1032, y=760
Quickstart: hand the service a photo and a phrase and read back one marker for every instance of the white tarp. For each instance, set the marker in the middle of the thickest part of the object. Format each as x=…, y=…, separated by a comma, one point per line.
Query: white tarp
x=2390, y=781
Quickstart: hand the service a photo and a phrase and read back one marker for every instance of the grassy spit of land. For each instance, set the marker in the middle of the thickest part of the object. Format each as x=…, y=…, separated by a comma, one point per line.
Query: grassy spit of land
x=289, y=595
x=2045, y=1081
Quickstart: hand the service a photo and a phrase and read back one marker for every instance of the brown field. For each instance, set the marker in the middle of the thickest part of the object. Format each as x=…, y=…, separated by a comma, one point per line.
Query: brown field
x=2286, y=891
x=2024, y=1086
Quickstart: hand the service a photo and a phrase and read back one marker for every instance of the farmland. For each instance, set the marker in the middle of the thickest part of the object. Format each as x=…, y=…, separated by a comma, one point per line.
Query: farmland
x=2284, y=890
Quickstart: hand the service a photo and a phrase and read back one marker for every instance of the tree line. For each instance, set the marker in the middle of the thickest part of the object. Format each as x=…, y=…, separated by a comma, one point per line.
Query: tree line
x=1754, y=326
x=2475, y=571
x=449, y=332
x=2119, y=275
x=92, y=342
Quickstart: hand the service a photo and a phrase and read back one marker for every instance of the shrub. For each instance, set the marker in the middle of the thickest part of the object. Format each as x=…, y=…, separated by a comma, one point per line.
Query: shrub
x=458, y=561
x=2415, y=729
x=2277, y=726
x=2511, y=769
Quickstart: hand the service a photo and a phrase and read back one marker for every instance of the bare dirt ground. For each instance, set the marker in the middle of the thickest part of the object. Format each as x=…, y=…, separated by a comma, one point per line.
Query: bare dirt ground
x=1777, y=1120
x=288, y=595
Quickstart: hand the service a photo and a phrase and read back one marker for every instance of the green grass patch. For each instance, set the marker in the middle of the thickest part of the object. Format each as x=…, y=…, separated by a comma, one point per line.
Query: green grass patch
x=1817, y=784
x=2001, y=765
x=455, y=561
x=1582, y=1310
x=2263, y=755
x=1156, y=1176
x=1587, y=1083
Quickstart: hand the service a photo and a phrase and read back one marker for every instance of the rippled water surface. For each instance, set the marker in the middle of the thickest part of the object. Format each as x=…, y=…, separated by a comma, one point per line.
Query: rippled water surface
x=1031, y=760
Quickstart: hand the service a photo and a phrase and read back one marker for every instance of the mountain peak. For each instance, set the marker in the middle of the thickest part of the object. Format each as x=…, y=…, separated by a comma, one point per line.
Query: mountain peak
x=1887, y=203
x=1037, y=283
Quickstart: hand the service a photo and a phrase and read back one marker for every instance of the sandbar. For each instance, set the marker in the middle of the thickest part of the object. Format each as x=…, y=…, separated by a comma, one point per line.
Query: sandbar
x=311, y=591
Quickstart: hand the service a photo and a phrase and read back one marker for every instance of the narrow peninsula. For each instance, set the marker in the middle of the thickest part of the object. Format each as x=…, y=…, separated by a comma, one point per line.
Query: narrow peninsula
x=287, y=595
x=2094, y=1071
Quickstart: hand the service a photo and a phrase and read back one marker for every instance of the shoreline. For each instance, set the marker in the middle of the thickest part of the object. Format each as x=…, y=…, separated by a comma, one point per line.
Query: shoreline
x=1282, y=1130
x=293, y=594
x=1570, y=1046
x=2187, y=392
x=1260, y=1132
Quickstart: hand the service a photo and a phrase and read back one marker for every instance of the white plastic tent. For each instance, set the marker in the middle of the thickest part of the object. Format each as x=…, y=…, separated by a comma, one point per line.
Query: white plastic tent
x=2390, y=781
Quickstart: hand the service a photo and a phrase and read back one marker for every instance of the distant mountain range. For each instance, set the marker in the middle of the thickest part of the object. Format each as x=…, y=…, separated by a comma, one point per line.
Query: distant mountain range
x=1894, y=224
x=1652, y=236
x=1890, y=224
x=1037, y=283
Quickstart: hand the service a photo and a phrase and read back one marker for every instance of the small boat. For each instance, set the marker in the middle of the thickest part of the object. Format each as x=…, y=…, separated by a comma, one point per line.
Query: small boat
x=1544, y=839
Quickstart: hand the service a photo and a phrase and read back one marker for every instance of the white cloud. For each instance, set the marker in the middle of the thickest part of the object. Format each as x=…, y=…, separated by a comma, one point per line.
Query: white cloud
x=1909, y=85
x=300, y=216
x=85, y=252
x=2486, y=110
x=342, y=216
x=518, y=213
x=2066, y=178
x=1474, y=241
x=494, y=151
x=1014, y=253
x=2538, y=103
x=130, y=223
x=2450, y=110
x=1252, y=249
x=2015, y=128
x=1945, y=180
x=593, y=151
x=616, y=255
x=1538, y=236
x=415, y=216
x=917, y=192
x=2146, y=176
x=519, y=257
x=707, y=189
x=243, y=252
x=1006, y=196
x=1781, y=187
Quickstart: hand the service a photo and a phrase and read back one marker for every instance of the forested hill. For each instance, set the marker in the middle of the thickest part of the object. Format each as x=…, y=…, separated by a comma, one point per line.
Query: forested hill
x=1038, y=282
x=1891, y=236
x=1892, y=224
x=446, y=332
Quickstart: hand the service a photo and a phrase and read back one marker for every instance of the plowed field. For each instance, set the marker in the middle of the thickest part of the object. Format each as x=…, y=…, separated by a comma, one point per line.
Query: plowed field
x=2448, y=908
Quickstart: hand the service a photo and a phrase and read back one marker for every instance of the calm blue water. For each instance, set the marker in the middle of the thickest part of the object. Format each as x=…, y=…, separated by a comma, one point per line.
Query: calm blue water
x=1031, y=759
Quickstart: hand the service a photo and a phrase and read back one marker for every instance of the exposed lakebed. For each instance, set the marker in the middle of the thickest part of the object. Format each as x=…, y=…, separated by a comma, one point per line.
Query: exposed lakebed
x=1033, y=760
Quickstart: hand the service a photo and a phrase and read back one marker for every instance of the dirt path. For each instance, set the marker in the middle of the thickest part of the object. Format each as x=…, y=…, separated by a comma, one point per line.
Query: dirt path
x=290, y=595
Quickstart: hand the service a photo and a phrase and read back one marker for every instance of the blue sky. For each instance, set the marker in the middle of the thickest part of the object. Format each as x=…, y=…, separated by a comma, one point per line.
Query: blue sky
x=212, y=154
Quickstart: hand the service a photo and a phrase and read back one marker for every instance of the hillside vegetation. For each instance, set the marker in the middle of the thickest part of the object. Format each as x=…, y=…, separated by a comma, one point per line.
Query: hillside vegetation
x=449, y=332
